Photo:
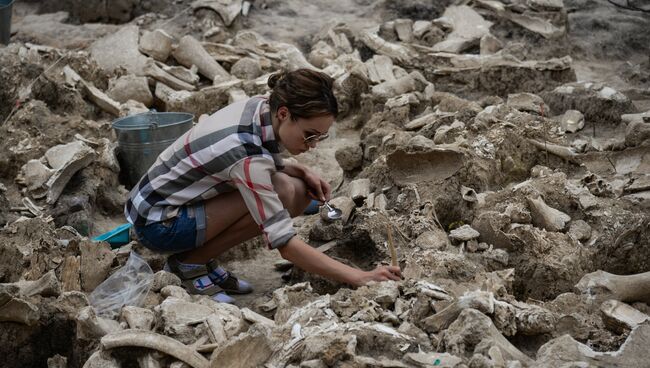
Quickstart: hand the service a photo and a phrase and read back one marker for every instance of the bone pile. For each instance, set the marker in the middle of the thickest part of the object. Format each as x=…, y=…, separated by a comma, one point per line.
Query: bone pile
x=516, y=196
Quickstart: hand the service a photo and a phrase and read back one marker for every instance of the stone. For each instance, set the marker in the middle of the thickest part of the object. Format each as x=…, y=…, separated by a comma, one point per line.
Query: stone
x=162, y=279
x=136, y=317
x=321, y=54
x=359, y=190
x=34, y=174
x=599, y=103
x=248, y=350
x=464, y=233
x=565, y=351
x=126, y=39
x=489, y=44
x=579, y=230
x=435, y=239
x=527, y=102
x=246, y=68
x=130, y=87
x=349, y=156
x=637, y=134
x=157, y=44
x=404, y=29
x=546, y=217
x=468, y=28
x=572, y=121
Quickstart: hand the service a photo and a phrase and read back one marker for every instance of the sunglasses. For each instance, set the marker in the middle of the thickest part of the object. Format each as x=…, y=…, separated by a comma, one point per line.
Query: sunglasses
x=316, y=138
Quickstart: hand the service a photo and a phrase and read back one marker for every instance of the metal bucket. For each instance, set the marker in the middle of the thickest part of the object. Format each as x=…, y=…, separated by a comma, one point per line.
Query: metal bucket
x=142, y=137
x=5, y=21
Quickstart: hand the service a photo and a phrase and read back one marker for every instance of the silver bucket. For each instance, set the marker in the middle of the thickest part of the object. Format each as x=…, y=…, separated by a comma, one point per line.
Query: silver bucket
x=142, y=137
x=5, y=21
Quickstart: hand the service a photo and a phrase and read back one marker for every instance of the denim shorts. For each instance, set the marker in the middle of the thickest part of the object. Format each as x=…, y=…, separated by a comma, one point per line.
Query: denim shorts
x=184, y=232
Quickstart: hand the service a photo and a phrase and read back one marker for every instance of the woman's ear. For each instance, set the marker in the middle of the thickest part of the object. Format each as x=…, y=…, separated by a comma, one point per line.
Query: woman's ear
x=283, y=113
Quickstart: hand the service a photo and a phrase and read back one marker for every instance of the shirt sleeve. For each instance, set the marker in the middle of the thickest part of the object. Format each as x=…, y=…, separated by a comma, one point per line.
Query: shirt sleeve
x=252, y=177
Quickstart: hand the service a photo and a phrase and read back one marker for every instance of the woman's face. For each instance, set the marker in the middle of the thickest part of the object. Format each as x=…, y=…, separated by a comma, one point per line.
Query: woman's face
x=299, y=135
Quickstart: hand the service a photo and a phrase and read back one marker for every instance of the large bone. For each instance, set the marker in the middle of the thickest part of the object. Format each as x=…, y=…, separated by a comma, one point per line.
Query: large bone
x=152, y=340
x=398, y=53
x=546, y=217
x=60, y=179
x=480, y=300
x=190, y=52
x=603, y=285
x=154, y=71
x=47, y=285
x=560, y=151
x=90, y=326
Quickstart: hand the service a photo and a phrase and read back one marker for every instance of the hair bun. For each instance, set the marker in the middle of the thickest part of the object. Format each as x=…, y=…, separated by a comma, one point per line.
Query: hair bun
x=276, y=78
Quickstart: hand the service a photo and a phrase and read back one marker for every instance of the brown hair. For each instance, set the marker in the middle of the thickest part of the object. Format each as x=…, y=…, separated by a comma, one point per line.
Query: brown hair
x=305, y=92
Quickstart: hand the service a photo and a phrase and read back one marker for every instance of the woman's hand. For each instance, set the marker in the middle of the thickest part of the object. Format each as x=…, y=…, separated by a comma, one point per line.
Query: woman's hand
x=317, y=188
x=381, y=273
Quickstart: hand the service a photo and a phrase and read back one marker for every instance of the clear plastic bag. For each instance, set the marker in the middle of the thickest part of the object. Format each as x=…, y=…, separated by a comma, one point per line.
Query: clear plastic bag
x=127, y=286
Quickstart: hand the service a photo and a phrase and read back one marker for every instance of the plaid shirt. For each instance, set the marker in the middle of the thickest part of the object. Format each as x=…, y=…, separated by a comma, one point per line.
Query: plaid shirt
x=233, y=149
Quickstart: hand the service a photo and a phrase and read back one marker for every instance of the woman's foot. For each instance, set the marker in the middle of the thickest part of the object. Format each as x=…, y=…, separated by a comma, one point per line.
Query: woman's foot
x=226, y=280
x=202, y=284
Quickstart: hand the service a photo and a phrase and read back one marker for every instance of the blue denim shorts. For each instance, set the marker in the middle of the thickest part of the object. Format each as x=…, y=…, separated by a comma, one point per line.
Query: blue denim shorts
x=184, y=232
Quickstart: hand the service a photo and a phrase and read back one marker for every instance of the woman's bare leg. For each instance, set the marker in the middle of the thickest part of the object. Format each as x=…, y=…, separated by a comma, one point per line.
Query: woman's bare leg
x=228, y=222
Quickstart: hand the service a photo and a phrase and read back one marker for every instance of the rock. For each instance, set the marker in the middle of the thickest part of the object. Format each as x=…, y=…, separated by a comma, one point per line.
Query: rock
x=34, y=174
x=490, y=45
x=496, y=74
x=426, y=360
x=637, y=134
x=246, y=68
x=349, y=156
x=579, y=230
x=598, y=103
x=404, y=29
x=546, y=217
x=564, y=350
x=464, y=233
x=248, y=350
x=572, y=121
x=130, y=87
x=322, y=54
x=90, y=326
x=136, y=317
x=162, y=279
x=157, y=44
x=14, y=309
x=468, y=28
x=436, y=239
x=359, y=190
x=527, y=102
x=96, y=261
x=103, y=51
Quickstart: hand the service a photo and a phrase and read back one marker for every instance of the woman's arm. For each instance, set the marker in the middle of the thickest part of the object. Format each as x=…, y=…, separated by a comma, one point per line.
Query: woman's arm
x=311, y=260
x=319, y=189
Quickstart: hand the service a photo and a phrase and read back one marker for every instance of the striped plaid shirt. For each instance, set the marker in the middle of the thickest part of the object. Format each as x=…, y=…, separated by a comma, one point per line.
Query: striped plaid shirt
x=233, y=149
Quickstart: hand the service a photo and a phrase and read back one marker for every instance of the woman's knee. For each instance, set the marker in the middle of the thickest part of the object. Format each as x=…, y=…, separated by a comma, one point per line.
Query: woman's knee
x=292, y=192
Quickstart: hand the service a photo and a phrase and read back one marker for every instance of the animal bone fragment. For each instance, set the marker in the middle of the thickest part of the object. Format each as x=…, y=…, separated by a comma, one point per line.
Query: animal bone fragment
x=47, y=285
x=620, y=317
x=603, y=285
x=547, y=217
x=190, y=52
x=152, y=340
x=152, y=70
